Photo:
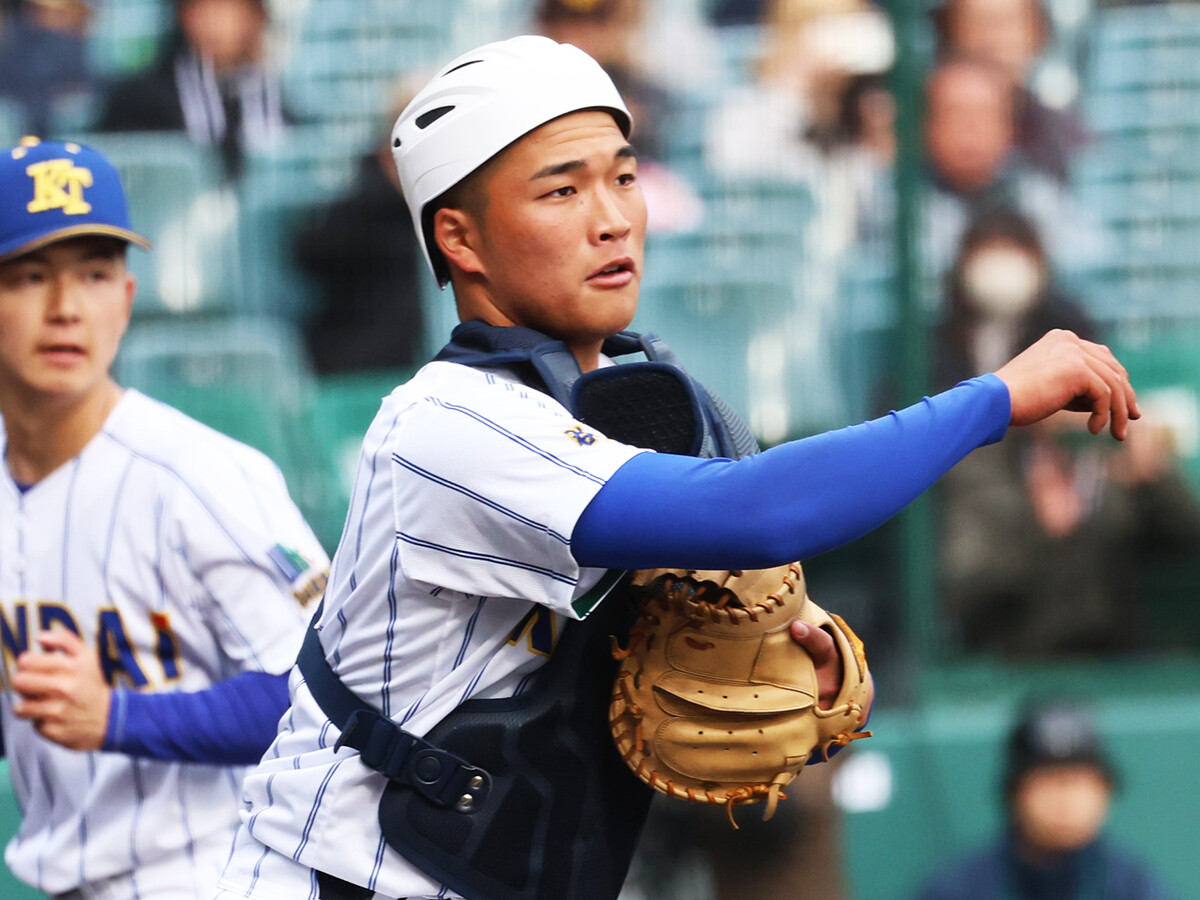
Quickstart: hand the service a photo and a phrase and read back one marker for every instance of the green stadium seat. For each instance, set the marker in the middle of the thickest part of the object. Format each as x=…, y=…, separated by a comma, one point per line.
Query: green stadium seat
x=349, y=55
x=1143, y=110
x=1134, y=66
x=12, y=122
x=126, y=35
x=177, y=201
x=1145, y=25
x=10, y=824
x=724, y=296
x=1165, y=195
x=730, y=334
x=339, y=17
x=741, y=47
x=1163, y=360
x=758, y=206
x=345, y=406
x=281, y=190
x=248, y=377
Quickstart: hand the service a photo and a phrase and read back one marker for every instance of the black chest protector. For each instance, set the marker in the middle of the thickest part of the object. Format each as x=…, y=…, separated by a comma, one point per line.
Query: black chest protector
x=526, y=798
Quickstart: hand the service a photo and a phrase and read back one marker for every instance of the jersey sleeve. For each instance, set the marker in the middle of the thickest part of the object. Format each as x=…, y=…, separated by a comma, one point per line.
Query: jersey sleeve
x=487, y=491
x=244, y=556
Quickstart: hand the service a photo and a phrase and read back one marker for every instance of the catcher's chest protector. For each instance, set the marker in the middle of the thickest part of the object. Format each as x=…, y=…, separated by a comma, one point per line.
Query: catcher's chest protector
x=563, y=812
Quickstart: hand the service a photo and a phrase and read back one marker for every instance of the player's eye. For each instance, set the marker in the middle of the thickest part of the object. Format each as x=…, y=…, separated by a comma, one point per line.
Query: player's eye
x=99, y=272
x=28, y=277
x=565, y=191
x=626, y=178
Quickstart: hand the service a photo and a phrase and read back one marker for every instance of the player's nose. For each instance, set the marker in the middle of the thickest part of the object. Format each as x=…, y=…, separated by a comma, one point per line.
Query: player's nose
x=609, y=220
x=63, y=299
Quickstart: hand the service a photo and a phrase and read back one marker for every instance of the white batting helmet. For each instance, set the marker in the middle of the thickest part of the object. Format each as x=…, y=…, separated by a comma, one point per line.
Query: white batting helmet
x=480, y=103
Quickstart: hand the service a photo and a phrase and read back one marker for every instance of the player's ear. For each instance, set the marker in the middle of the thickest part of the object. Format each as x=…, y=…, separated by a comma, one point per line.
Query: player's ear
x=457, y=235
x=130, y=291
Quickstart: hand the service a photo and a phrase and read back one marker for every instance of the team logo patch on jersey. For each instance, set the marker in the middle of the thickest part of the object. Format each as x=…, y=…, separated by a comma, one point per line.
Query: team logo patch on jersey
x=307, y=583
x=58, y=184
x=580, y=436
x=289, y=563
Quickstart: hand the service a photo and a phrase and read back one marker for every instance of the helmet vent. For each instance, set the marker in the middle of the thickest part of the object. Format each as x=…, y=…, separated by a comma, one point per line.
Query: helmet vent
x=425, y=119
x=469, y=62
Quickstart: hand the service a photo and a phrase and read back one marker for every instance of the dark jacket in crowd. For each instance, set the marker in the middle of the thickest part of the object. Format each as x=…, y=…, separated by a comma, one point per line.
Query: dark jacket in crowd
x=364, y=259
x=1099, y=871
x=38, y=67
x=235, y=113
x=1048, y=139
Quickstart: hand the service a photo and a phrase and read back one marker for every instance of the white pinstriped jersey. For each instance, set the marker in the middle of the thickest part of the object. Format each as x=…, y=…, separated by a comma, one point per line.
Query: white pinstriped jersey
x=175, y=551
x=450, y=581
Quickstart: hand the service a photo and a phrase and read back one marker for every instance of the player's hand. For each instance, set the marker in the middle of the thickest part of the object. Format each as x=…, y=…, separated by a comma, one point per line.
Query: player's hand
x=63, y=692
x=1063, y=371
x=820, y=646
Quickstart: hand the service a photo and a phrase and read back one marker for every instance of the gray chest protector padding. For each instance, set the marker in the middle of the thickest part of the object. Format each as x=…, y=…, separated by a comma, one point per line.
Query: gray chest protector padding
x=563, y=812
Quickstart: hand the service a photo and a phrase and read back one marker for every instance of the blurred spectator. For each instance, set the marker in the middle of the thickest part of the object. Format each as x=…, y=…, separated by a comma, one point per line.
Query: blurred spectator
x=737, y=12
x=1013, y=34
x=608, y=30
x=214, y=80
x=1000, y=297
x=43, y=58
x=363, y=257
x=1058, y=784
x=973, y=169
x=818, y=112
x=1045, y=537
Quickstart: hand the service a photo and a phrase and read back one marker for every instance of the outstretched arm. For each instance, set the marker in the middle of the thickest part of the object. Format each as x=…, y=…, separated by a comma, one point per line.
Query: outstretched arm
x=805, y=497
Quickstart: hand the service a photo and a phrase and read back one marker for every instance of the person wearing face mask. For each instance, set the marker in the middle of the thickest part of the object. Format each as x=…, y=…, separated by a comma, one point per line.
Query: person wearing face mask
x=1044, y=540
x=1058, y=785
x=1001, y=296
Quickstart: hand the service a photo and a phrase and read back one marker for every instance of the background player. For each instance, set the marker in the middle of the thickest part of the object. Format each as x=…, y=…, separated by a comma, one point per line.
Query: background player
x=484, y=513
x=149, y=568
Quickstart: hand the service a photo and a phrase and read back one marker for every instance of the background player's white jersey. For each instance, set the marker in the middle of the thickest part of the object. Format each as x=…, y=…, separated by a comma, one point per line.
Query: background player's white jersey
x=175, y=551
x=450, y=583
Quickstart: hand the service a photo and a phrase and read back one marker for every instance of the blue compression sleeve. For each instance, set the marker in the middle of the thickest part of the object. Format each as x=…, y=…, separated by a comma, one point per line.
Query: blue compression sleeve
x=791, y=502
x=231, y=723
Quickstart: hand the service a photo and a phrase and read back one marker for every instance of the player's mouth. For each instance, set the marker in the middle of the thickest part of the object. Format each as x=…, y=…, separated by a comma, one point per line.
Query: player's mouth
x=62, y=354
x=617, y=273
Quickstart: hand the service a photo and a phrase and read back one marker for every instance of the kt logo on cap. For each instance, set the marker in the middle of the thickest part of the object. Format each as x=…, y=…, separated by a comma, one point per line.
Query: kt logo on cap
x=59, y=184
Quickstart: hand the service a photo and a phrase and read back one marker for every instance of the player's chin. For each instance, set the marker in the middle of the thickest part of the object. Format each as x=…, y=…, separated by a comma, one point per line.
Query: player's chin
x=615, y=306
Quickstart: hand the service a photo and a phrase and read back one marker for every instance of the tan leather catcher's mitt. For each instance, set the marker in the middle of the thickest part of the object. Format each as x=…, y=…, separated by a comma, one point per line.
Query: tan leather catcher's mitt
x=714, y=701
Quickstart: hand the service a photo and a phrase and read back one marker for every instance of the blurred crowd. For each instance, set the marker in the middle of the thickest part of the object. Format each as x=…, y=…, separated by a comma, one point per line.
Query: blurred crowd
x=1045, y=539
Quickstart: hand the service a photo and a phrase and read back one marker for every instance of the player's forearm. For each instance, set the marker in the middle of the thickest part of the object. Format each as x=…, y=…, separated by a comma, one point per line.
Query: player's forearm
x=791, y=502
x=231, y=723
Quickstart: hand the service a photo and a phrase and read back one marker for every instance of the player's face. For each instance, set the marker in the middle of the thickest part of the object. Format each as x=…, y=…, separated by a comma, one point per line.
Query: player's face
x=63, y=310
x=562, y=232
x=1060, y=809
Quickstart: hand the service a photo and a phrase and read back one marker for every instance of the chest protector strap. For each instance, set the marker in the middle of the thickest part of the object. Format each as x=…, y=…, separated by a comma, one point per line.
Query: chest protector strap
x=526, y=798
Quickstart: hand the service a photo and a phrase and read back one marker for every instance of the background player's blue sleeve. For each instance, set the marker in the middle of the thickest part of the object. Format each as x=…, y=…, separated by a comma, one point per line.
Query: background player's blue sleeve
x=231, y=723
x=791, y=502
